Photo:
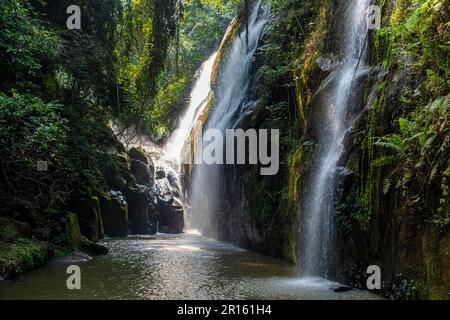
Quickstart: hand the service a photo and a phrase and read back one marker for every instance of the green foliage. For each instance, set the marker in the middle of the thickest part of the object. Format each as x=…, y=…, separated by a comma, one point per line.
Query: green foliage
x=286, y=38
x=25, y=44
x=424, y=38
x=168, y=103
x=200, y=27
x=41, y=57
x=419, y=152
x=417, y=35
x=414, y=157
x=31, y=131
x=406, y=289
x=21, y=256
x=9, y=233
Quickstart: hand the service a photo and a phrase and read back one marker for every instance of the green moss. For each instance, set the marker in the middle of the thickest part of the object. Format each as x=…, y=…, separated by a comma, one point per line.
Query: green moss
x=364, y=197
x=436, y=248
x=75, y=233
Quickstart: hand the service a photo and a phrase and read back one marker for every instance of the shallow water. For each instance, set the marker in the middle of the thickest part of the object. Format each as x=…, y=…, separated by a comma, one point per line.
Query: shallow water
x=186, y=266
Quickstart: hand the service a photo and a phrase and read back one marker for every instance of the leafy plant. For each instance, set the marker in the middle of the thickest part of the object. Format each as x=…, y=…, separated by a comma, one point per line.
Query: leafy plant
x=418, y=154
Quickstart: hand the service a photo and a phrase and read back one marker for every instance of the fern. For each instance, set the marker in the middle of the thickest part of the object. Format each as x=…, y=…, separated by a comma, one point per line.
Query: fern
x=385, y=161
x=433, y=172
x=387, y=185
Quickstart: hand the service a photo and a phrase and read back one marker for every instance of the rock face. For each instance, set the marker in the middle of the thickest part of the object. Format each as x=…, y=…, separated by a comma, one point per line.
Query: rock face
x=138, y=154
x=114, y=211
x=138, y=207
x=89, y=218
x=376, y=225
x=140, y=217
x=153, y=197
x=165, y=195
x=142, y=172
x=73, y=230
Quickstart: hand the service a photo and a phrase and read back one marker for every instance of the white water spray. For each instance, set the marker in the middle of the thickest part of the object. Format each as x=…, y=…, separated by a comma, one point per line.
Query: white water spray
x=336, y=119
x=197, y=103
x=231, y=104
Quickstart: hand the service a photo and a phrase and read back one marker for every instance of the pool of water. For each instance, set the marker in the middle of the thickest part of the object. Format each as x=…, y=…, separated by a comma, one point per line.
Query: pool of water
x=186, y=266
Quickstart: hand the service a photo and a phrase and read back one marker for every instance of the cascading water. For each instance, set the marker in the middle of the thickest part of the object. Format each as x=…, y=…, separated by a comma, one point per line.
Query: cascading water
x=171, y=157
x=230, y=103
x=198, y=101
x=335, y=120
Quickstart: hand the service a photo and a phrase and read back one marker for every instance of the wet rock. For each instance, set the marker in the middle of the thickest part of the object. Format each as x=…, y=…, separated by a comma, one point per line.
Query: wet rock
x=138, y=154
x=340, y=289
x=172, y=218
x=114, y=211
x=165, y=197
x=89, y=219
x=75, y=257
x=92, y=248
x=174, y=184
x=142, y=172
x=160, y=173
x=161, y=191
x=345, y=179
x=327, y=62
x=138, y=209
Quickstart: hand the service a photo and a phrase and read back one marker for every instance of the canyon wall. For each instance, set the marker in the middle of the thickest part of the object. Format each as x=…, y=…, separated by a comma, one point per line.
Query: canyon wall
x=392, y=202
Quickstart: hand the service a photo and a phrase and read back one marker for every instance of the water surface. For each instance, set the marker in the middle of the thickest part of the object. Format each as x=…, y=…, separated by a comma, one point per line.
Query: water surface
x=186, y=266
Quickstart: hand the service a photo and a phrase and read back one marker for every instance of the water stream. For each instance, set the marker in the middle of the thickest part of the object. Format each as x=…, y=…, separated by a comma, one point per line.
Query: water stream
x=231, y=104
x=336, y=118
x=197, y=103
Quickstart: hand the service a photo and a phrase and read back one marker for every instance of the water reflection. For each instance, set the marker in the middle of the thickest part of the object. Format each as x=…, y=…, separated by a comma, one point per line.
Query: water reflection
x=166, y=267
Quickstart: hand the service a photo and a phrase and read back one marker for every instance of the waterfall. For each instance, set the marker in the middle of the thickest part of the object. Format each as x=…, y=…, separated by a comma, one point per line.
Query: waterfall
x=198, y=101
x=230, y=104
x=336, y=118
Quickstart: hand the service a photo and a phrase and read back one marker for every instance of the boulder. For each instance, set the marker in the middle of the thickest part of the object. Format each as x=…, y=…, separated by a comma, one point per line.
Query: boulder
x=165, y=196
x=118, y=169
x=92, y=248
x=89, y=219
x=74, y=231
x=160, y=173
x=171, y=217
x=138, y=154
x=341, y=288
x=141, y=172
x=75, y=257
x=138, y=209
x=114, y=212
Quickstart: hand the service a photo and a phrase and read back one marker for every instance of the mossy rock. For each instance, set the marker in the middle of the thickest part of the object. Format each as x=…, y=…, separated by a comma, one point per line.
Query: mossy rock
x=114, y=212
x=89, y=219
x=75, y=233
x=138, y=154
x=92, y=248
x=437, y=258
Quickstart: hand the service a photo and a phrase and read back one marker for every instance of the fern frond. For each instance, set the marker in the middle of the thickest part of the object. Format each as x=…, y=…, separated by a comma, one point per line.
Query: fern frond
x=384, y=161
x=387, y=185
